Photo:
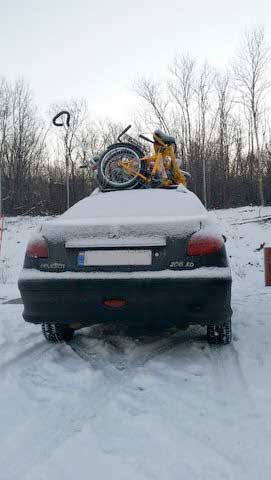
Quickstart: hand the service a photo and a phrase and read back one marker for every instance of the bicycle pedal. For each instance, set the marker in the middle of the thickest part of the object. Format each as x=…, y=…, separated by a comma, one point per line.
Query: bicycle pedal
x=156, y=180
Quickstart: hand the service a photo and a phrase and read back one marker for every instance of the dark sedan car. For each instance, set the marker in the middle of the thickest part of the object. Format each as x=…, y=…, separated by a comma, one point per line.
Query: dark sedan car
x=138, y=257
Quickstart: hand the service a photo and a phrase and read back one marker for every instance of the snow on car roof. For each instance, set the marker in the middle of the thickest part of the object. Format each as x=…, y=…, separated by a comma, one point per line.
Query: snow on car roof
x=138, y=203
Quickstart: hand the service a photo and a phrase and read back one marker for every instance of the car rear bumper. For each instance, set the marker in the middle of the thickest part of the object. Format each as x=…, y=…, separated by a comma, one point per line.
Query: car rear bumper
x=165, y=297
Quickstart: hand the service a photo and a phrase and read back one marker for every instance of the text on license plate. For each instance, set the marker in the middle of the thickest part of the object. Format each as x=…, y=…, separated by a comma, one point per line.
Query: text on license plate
x=114, y=257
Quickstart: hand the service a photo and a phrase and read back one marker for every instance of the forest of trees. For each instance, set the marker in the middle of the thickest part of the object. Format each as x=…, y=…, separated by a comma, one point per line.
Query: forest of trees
x=221, y=122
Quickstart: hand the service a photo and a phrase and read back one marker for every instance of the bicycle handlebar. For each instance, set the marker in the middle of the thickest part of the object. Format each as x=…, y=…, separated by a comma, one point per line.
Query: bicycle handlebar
x=61, y=124
x=147, y=139
x=124, y=131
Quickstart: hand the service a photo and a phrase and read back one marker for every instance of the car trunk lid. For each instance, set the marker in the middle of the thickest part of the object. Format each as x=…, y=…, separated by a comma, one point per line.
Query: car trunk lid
x=147, y=244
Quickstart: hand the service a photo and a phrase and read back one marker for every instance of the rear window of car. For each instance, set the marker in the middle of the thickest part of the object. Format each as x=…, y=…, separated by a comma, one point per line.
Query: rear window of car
x=138, y=203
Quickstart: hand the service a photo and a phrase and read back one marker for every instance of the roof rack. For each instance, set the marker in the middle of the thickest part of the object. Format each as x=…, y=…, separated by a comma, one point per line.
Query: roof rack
x=137, y=187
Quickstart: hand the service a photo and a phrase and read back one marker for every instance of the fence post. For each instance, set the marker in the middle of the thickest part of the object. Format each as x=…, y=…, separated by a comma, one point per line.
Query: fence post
x=267, y=266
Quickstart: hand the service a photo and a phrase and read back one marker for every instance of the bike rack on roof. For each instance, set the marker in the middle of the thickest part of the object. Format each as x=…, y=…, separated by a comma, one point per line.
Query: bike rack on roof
x=137, y=187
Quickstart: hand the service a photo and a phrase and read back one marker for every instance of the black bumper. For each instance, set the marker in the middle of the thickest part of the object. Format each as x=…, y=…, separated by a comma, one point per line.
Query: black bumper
x=162, y=297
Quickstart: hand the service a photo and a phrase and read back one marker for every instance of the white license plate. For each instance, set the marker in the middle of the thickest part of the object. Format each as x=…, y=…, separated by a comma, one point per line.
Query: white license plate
x=115, y=257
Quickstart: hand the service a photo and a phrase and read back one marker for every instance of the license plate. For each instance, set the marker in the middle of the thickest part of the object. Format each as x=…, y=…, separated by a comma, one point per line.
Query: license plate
x=114, y=258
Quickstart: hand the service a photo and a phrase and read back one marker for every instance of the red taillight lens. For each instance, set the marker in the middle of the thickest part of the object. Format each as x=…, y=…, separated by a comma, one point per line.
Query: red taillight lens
x=37, y=248
x=203, y=243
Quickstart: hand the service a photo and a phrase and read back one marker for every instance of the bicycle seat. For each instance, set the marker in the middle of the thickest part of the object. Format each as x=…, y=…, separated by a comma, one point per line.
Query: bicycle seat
x=167, y=139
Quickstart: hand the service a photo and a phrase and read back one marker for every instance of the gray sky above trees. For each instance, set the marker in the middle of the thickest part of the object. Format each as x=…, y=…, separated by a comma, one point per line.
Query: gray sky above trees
x=96, y=49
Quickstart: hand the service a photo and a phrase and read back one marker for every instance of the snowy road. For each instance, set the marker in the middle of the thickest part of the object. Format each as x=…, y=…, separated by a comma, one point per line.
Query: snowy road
x=115, y=407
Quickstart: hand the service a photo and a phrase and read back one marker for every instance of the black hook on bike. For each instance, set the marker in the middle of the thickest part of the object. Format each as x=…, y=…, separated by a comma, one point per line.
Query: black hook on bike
x=124, y=131
x=61, y=124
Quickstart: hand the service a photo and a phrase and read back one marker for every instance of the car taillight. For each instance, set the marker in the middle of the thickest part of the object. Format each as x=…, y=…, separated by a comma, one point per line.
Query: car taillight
x=37, y=248
x=203, y=243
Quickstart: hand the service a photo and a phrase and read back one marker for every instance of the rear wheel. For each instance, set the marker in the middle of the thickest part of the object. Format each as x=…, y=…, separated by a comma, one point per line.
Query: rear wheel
x=219, y=334
x=111, y=174
x=57, y=332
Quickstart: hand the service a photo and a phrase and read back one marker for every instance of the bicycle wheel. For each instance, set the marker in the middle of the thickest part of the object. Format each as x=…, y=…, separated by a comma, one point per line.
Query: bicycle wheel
x=111, y=174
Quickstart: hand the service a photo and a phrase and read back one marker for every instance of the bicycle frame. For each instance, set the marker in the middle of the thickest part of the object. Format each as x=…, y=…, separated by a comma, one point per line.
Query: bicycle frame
x=161, y=154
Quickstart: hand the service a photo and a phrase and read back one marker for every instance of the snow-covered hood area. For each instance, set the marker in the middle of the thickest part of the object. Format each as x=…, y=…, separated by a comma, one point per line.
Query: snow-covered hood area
x=148, y=213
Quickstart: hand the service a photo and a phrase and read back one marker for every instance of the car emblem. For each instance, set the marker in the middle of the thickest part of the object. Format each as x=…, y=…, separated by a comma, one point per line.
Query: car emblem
x=114, y=233
x=53, y=267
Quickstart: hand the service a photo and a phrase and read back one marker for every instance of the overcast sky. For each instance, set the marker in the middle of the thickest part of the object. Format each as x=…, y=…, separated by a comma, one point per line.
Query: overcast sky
x=97, y=48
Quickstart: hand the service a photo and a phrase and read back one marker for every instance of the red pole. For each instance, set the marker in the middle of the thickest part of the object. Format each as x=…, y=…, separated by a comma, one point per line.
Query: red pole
x=267, y=266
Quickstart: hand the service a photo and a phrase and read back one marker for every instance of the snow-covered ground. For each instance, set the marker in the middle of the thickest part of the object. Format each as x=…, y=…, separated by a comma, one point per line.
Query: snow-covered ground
x=113, y=407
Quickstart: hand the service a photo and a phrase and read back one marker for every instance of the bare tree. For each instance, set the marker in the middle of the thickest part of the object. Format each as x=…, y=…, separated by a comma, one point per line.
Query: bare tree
x=225, y=105
x=182, y=89
x=73, y=141
x=204, y=89
x=250, y=69
x=22, y=144
x=152, y=93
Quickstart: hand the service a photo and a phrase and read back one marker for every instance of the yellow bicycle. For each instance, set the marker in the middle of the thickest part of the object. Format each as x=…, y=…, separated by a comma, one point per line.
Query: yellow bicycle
x=126, y=165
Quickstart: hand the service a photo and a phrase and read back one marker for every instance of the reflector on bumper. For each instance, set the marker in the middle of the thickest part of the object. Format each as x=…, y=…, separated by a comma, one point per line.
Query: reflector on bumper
x=115, y=303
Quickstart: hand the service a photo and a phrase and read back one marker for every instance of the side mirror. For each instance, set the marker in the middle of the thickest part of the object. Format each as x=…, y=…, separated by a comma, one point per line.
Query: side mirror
x=61, y=123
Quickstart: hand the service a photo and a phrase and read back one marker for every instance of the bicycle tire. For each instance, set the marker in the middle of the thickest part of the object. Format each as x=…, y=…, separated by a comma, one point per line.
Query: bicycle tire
x=117, y=179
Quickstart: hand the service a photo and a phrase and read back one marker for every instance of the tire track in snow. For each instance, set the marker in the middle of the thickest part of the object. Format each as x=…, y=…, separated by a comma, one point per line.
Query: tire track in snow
x=118, y=360
x=229, y=380
x=119, y=368
x=140, y=351
x=30, y=354
x=119, y=381
x=52, y=419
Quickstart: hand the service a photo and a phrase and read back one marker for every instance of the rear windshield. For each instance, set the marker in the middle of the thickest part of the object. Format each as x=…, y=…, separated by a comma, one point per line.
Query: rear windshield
x=138, y=203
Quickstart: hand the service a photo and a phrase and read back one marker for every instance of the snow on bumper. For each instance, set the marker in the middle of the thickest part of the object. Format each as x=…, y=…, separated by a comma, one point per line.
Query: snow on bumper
x=198, y=273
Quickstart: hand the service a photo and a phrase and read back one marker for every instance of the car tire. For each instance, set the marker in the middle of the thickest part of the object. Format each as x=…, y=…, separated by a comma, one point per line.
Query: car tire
x=57, y=332
x=219, y=334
